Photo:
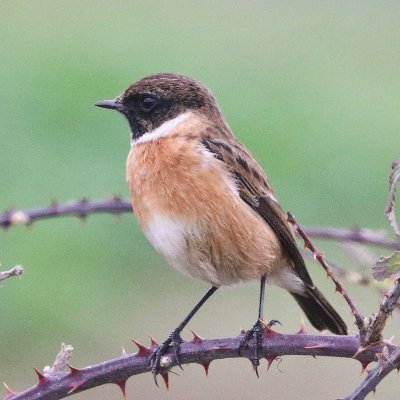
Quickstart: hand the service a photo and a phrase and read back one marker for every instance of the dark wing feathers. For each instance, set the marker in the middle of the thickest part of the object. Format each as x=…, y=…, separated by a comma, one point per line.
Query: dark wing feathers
x=255, y=191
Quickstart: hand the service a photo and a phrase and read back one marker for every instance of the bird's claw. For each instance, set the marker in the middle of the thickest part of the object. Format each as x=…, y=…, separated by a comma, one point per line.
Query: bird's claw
x=255, y=332
x=174, y=340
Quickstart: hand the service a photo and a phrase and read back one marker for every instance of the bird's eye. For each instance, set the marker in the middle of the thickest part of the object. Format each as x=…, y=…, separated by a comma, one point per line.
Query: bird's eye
x=148, y=103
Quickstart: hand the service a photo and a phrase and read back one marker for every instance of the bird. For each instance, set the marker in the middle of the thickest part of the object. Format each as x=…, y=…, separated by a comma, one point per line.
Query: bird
x=206, y=205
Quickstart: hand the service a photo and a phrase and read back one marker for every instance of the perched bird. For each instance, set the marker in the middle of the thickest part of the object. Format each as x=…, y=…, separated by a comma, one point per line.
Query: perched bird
x=205, y=204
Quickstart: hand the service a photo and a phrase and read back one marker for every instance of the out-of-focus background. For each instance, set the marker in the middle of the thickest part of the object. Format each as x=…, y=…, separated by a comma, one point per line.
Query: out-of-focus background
x=312, y=88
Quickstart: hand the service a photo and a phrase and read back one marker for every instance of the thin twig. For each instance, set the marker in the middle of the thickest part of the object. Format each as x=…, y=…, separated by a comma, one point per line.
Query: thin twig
x=378, y=322
x=386, y=364
x=80, y=208
x=358, y=235
x=15, y=271
x=201, y=351
x=342, y=273
x=339, y=288
x=83, y=208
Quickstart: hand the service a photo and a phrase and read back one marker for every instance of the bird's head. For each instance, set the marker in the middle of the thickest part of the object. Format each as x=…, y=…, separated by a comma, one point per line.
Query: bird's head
x=158, y=98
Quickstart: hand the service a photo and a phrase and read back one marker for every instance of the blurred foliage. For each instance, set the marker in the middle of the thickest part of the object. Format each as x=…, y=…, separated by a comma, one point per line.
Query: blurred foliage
x=312, y=88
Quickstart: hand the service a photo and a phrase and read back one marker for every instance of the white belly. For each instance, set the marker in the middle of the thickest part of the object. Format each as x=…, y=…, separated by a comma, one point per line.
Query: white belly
x=180, y=242
x=167, y=235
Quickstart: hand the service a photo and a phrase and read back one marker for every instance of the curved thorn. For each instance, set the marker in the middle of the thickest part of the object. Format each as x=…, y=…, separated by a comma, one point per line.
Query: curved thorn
x=9, y=391
x=153, y=342
x=73, y=371
x=122, y=385
x=75, y=386
x=364, y=365
x=205, y=365
x=196, y=338
x=270, y=359
x=166, y=379
x=41, y=377
x=302, y=330
x=143, y=350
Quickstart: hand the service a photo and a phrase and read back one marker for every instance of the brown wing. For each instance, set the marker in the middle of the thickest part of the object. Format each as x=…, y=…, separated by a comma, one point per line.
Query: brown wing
x=256, y=192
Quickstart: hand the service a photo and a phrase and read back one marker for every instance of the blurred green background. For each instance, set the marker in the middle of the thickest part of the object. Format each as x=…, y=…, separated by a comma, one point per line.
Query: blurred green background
x=312, y=88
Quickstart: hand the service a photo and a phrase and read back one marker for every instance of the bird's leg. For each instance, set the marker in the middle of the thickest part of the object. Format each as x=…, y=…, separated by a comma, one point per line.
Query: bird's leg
x=174, y=339
x=256, y=331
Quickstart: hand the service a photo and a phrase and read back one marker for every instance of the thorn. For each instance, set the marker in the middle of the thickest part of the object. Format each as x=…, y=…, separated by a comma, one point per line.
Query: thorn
x=206, y=365
x=360, y=350
x=9, y=391
x=242, y=331
x=122, y=385
x=165, y=378
x=338, y=288
x=219, y=348
x=116, y=197
x=83, y=215
x=73, y=371
x=153, y=342
x=329, y=274
x=302, y=330
x=364, y=365
x=124, y=353
x=316, y=346
x=196, y=338
x=270, y=360
x=41, y=377
x=54, y=203
x=143, y=350
x=268, y=332
x=75, y=386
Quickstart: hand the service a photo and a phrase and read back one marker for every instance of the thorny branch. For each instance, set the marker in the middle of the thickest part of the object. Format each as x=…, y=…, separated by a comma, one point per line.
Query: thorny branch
x=369, y=346
x=388, y=361
x=378, y=322
x=200, y=351
x=339, y=288
x=83, y=208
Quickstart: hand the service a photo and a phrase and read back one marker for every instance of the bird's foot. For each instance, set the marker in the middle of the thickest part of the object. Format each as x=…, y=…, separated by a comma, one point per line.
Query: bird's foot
x=255, y=334
x=174, y=340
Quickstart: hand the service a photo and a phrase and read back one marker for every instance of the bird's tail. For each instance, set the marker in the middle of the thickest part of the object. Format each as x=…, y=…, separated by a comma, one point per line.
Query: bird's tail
x=320, y=313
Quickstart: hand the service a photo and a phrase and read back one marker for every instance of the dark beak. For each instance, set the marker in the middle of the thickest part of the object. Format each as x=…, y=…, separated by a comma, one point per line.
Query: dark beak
x=111, y=104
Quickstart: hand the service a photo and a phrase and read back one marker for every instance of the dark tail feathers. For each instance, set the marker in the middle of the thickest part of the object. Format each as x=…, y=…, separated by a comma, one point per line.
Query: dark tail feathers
x=320, y=313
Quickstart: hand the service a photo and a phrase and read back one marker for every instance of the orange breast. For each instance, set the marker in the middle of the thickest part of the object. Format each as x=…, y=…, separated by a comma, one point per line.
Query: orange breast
x=188, y=206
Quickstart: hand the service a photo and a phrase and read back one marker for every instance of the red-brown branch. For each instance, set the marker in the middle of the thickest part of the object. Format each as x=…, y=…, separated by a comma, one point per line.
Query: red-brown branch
x=83, y=208
x=378, y=321
x=387, y=363
x=117, y=371
x=339, y=288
